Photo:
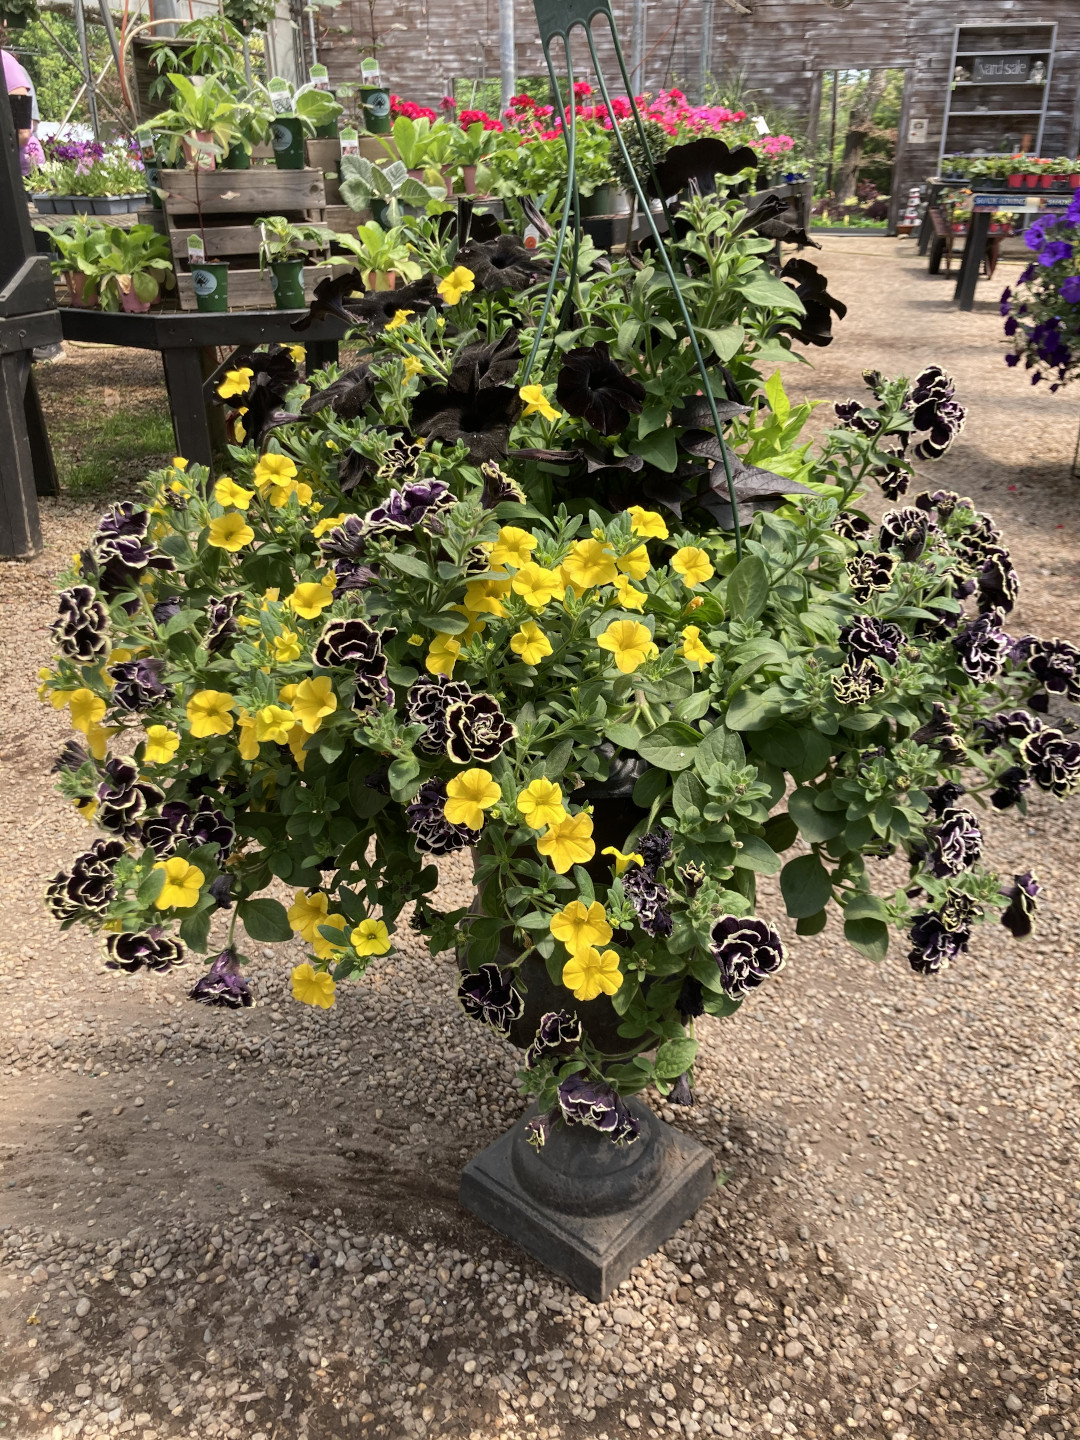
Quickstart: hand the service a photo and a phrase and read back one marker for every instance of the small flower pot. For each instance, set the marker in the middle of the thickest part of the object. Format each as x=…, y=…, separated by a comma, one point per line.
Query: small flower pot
x=210, y=279
x=236, y=158
x=63, y=205
x=380, y=279
x=82, y=290
x=1046, y=182
x=376, y=105
x=196, y=158
x=600, y=202
x=131, y=304
x=46, y=204
x=1031, y=182
x=287, y=141
x=1074, y=182
x=1016, y=182
x=287, y=283
x=329, y=131
x=116, y=204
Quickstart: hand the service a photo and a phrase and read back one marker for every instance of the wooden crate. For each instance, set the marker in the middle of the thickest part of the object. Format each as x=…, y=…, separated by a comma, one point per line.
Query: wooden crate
x=248, y=290
x=343, y=220
x=262, y=190
x=223, y=242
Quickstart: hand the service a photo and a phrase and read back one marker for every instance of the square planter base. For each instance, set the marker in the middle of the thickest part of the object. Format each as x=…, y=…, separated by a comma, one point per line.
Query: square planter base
x=595, y=1252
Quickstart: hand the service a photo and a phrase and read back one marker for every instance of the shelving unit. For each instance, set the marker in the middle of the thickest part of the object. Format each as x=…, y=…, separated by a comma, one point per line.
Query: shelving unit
x=961, y=132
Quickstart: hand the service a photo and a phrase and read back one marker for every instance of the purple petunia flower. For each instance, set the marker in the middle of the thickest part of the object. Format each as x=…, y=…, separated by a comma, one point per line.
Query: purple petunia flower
x=353, y=644
x=488, y=995
x=557, y=1034
x=956, y=844
x=90, y=885
x=81, y=629
x=138, y=685
x=1070, y=289
x=982, y=647
x=867, y=637
x=1054, y=761
x=1053, y=251
x=129, y=950
x=426, y=704
x=432, y=833
x=223, y=984
x=592, y=1103
x=651, y=900
x=747, y=951
x=123, y=798
x=1019, y=915
x=419, y=501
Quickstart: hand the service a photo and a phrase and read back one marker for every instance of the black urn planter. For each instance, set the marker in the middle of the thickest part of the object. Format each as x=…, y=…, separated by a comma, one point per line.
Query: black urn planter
x=585, y=1207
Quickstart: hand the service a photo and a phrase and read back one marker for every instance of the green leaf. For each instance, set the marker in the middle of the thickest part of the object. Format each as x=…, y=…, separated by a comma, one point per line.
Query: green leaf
x=756, y=854
x=195, y=928
x=265, y=919
x=689, y=796
x=720, y=746
x=764, y=289
x=151, y=887
x=408, y=564
x=750, y=711
x=625, y=736
x=674, y=1058
x=649, y=788
x=626, y=342
x=583, y=880
x=725, y=342
x=748, y=588
x=781, y=832
x=658, y=449
x=671, y=747
x=870, y=937
x=364, y=799
x=694, y=706
x=815, y=825
x=866, y=907
x=812, y=924
x=805, y=886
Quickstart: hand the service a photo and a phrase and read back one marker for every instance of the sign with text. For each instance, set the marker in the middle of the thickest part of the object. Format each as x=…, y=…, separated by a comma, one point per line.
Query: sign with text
x=1001, y=67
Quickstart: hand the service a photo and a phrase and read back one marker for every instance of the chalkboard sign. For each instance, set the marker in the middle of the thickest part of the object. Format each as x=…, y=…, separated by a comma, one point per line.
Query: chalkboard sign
x=1001, y=67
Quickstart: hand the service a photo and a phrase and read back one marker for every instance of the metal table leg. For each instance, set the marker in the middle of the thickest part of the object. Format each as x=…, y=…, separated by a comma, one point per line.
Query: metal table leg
x=20, y=527
x=184, y=382
x=974, y=250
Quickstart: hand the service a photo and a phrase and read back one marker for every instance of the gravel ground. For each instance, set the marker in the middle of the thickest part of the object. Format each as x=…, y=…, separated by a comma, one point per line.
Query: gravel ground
x=245, y=1224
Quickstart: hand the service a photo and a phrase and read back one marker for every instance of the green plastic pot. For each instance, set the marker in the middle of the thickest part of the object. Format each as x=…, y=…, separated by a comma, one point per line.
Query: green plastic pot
x=328, y=131
x=211, y=281
x=287, y=140
x=236, y=158
x=287, y=281
x=376, y=103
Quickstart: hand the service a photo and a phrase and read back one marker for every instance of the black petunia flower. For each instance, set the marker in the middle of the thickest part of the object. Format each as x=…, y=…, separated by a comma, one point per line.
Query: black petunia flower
x=476, y=730
x=127, y=518
x=747, y=951
x=502, y=264
x=893, y=480
x=1054, y=761
x=488, y=995
x=164, y=831
x=432, y=833
x=592, y=387
x=329, y=297
x=651, y=900
x=956, y=844
x=499, y=489
x=557, y=1034
x=815, y=326
x=130, y=950
x=91, y=884
x=934, y=410
x=138, y=685
x=944, y=797
x=167, y=609
x=690, y=1001
x=940, y=732
x=592, y=1103
x=867, y=637
x=348, y=396
x=945, y=502
x=857, y=682
x=853, y=415
x=274, y=372
x=681, y=1093
x=982, y=647
x=851, y=526
x=868, y=573
x=378, y=307
x=905, y=530
x=480, y=419
x=1012, y=783
x=73, y=756
x=655, y=849
x=481, y=366
x=222, y=626
x=420, y=501
x=353, y=644
x=81, y=629
x=1023, y=903
x=1054, y=663
x=939, y=936
x=998, y=582
x=122, y=560
x=223, y=984
x=123, y=798
x=426, y=704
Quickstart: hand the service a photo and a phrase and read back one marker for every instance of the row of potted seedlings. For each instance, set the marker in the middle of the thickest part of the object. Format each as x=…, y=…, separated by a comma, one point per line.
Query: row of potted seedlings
x=1013, y=172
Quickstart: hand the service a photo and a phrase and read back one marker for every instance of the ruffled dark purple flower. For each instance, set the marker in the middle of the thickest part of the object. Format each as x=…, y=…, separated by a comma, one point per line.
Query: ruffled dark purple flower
x=956, y=844
x=538, y=1129
x=1053, y=760
x=127, y=518
x=854, y=415
x=123, y=798
x=499, y=489
x=857, y=682
x=223, y=984
x=73, y=756
x=747, y=951
x=998, y=582
x=81, y=629
x=418, y=502
x=122, y=561
x=480, y=419
x=221, y=617
x=426, y=704
x=557, y=1034
x=941, y=733
x=934, y=945
x=592, y=387
x=1007, y=726
x=934, y=410
x=869, y=573
x=477, y=731
x=867, y=637
x=850, y=525
x=488, y=995
x=893, y=479
x=176, y=822
x=346, y=541
x=90, y=886
x=400, y=460
x=905, y=530
x=166, y=609
x=654, y=849
x=944, y=797
x=1011, y=785
x=651, y=900
x=592, y=1103
x=1054, y=663
x=693, y=876
x=1019, y=915
x=432, y=833
x=982, y=647
x=690, y=1001
x=943, y=501
x=153, y=950
x=138, y=685
x=352, y=644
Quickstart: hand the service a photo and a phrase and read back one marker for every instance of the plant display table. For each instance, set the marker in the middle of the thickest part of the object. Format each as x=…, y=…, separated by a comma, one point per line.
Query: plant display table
x=982, y=206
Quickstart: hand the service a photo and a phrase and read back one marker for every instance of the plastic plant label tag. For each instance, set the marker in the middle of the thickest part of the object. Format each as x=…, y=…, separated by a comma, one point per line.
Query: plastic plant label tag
x=320, y=77
x=761, y=125
x=280, y=95
x=531, y=238
x=196, y=250
x=350, y=141
x=369, y=71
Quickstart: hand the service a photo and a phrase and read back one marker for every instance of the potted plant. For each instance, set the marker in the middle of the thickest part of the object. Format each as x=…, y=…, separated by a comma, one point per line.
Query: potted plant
x=381, y=255
x=202, y=123
x=423, y=146
x=296, y=113
x=283, y=248
x=209, y=46
x=77, y=244
x=132, y=267
x=249, y=15
x=388, y=190
x=1042, y=308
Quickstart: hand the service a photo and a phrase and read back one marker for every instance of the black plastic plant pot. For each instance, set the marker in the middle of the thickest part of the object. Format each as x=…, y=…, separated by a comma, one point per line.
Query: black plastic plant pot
x=237, y=157
x=287, y=282
x=376, y=103
x=287, y=140
x=210, y=279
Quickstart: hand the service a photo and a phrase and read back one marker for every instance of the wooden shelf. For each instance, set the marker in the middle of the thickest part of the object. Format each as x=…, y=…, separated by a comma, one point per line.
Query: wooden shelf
x=975, y=54
x=961, y=84
x=985, y=114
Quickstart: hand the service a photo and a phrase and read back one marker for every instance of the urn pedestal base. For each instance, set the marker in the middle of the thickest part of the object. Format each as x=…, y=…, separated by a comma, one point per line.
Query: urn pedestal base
x=585, y=1208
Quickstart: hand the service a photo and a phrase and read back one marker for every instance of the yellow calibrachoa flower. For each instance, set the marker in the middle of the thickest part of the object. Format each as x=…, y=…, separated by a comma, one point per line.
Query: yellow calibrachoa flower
x=327, y=949
x=458, y=283
x=249, y=746
x=274, y=469
x=236, y=382
x=182, y=882
x=401, y=317
x=298, y=353
x=370, y=937
x=179, y=463
x=273, y=722
x=530, y=643
x=307, y=913
x=286, y=647
x=468, y=795
x=227, y=492
x=328, y=522
x=589, y=974
x=86, y=708
x=537, y=586
x=97, y=737
x=310, y=599
x=413, y=366
x=313, y=701
x=486, y=597
x=513, y=547
x=636, y=564
x=623, y=862
x=693, y=565
x=568, y=842
x=540, y=803
x=208, y=712
x=537, y=403
x=694, y=648
x=297, y=742
x=230, y=532
x=579, y=925
x=239, y=432
x=629, y=598
x=647, y=523
x=313, y=987
x=87, y=809
x=590, y=563
x=629, y=642
x=161, y=745
x=442, y=655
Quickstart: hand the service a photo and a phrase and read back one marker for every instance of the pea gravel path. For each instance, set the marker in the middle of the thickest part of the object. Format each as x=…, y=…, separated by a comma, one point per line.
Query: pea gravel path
x=245, y=1225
